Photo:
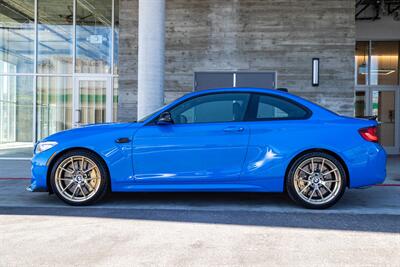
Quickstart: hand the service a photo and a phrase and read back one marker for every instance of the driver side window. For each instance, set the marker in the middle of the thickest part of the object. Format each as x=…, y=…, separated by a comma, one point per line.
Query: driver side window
x=218, y=107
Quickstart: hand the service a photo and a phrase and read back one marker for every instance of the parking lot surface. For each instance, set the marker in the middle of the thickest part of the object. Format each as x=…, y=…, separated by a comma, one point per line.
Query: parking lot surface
x=197, y=229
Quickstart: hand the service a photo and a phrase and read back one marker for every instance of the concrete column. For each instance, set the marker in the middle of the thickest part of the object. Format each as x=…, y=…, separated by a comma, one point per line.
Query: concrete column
x=151, y=56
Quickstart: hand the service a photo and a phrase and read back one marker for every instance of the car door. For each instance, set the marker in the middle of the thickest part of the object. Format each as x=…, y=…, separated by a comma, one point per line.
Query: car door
x=279, y=129
x=207, y=142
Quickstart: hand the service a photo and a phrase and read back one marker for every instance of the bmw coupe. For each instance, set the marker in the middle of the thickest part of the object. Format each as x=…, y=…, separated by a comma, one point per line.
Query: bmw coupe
x=238, y=139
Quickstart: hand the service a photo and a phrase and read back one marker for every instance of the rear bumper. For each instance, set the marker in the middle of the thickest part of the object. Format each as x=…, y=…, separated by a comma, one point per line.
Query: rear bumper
x=368, y=167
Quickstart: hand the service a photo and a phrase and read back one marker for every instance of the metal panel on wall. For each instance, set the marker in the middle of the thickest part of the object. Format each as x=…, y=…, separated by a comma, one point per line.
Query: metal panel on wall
x=210, y=80
x=255, y=79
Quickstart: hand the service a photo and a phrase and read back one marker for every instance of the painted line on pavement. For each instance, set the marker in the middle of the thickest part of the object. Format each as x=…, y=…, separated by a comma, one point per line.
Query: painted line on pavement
x=4, y=179
x=2, y=158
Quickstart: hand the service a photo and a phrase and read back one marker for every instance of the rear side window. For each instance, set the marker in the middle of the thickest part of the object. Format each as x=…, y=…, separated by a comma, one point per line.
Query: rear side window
x=267, y=107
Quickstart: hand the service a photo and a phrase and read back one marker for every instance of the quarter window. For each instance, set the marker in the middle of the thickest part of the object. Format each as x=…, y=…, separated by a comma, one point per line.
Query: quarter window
x=221, y=107
x=270, y=107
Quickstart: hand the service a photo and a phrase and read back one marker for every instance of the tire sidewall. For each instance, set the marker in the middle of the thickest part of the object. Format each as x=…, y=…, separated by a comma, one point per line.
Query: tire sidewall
x=290, y=188
x=103, y=188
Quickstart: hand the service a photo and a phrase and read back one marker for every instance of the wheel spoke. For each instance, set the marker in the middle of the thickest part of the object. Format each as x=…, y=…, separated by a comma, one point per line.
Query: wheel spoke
x=322, y=165
x=332, y=181
x=65, y=178
x=312, y=165
x=66, y=170
x=83, y=193
x=307, y=186
x=83, y=161
x=320, y=193
x=312, y=194
x=327, y=188
x=72, y=162
x=88, y=170
x=306, y=172
x=89, y=185
x=73, y=194
x=325, y=174
x=67, y=186
x=302, y=180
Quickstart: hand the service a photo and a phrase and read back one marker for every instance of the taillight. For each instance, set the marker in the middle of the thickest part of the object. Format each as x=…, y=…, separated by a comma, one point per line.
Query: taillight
x=370, y=134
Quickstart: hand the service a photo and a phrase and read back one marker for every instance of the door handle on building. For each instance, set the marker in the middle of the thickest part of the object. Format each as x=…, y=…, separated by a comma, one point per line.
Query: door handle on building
x=79, y=115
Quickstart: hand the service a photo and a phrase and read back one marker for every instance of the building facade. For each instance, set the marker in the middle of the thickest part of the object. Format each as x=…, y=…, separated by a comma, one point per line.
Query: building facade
x=71, y=62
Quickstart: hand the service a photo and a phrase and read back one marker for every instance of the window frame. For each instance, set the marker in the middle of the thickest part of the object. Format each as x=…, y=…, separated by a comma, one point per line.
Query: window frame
x=154, y=120
x=250, y=112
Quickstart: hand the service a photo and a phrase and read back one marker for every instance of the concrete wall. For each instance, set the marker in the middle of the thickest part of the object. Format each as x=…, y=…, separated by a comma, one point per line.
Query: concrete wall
x=249, y=35
x=385, y=29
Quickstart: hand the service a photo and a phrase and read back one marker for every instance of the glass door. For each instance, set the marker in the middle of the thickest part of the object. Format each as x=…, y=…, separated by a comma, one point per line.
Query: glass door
x=384, y=105
x=92, y=100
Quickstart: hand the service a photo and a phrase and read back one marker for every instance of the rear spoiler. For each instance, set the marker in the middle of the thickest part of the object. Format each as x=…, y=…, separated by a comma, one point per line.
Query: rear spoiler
x=371, y=118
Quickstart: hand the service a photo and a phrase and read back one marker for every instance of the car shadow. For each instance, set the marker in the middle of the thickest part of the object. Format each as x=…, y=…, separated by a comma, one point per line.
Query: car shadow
x=252, y=209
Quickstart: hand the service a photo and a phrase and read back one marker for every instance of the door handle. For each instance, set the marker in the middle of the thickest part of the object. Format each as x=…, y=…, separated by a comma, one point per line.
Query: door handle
x=233, y=129
x=122, y=140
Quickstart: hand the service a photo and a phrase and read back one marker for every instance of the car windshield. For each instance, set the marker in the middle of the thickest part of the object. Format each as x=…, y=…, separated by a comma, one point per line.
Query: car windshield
x=142, y=119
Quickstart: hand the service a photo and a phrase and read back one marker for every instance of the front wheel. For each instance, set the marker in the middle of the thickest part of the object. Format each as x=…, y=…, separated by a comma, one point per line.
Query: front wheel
x=316, y=180
x=79, y=178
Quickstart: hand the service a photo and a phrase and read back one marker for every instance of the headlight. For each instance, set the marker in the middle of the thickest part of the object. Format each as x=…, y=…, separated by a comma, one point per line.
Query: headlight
x=43, y=146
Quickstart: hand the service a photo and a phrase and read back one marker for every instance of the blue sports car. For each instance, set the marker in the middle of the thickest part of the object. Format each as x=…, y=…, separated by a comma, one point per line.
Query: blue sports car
x=241, y=139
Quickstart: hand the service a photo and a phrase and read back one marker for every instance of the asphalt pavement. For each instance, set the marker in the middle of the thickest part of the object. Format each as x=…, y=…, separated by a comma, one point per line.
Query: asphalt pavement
x=198, y=229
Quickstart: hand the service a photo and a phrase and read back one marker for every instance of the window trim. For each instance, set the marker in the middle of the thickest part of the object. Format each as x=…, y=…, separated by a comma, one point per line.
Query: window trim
x=251, y=112
x=247, y=115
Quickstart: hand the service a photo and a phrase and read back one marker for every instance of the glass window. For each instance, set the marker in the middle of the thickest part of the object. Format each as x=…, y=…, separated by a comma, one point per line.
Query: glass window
x=115, y=99
x=360, y=107
x=93, y=36
x=54, y=105
x=270, y=107
x=116, y=36
x=16, y=108
x=17, y=36
x=385, y=63
x=361, y=70
x=55, y=20
x=92, y=100
x=227, y=107
x=384, y=107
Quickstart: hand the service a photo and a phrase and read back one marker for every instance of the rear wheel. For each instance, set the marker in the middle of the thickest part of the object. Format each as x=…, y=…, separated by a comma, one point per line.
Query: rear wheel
x=316, y=180
x=79, y=178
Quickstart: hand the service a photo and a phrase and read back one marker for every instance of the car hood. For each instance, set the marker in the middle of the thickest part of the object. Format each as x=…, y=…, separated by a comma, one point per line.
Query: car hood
x=92, y=130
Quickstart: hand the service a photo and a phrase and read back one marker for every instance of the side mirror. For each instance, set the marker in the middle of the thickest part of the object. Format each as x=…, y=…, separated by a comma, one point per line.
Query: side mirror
x=165, y=119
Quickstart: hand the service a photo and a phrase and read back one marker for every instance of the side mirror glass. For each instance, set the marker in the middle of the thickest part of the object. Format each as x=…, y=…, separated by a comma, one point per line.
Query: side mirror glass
x=165, y=119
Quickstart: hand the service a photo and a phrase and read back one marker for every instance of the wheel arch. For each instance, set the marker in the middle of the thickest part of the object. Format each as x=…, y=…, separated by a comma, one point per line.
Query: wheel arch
x=61, y=153
x=327, y=151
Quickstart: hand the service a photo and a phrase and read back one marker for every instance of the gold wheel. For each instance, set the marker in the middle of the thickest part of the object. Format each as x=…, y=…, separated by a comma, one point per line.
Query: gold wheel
x=77, y=178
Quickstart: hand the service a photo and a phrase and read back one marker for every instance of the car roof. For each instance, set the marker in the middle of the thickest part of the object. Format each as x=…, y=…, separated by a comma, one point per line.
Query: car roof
x=239, y=89
x=249, y=90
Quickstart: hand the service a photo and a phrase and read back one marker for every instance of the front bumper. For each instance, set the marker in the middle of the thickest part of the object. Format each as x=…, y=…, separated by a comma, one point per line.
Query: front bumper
x=39, y=171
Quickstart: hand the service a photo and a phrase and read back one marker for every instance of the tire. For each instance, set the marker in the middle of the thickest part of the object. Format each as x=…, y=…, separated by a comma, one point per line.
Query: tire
x=316, y=180
x=79, y=178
